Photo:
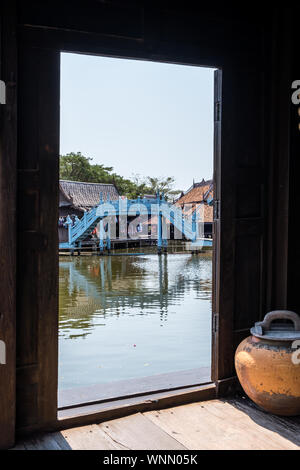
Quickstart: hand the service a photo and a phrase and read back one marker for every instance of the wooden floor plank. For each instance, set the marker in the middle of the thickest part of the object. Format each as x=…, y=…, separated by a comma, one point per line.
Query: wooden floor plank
x=90, y=438
x=258, y=433
x=217, y=425
x=63, y=444
x=137, y=432
x=288, y=427
x=235, y=423
x=192, y=430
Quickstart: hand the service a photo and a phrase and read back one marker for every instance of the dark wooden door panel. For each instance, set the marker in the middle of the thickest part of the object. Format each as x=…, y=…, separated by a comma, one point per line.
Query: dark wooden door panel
x=8, y=149
x=37, y=273
x=241, y=223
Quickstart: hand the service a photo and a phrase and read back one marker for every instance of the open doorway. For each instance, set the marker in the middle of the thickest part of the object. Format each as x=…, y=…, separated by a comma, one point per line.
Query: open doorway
x=135, y=300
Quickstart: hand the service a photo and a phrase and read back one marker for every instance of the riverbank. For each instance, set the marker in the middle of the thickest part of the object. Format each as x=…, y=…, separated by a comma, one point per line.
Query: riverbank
x=128, y=246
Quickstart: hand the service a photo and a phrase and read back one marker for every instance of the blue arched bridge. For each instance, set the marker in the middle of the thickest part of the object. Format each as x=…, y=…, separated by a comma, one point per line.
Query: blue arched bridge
x=142, y=211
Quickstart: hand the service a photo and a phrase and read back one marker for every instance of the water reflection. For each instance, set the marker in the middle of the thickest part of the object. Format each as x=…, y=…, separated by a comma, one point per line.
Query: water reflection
x=132, y=298
x=113, y=285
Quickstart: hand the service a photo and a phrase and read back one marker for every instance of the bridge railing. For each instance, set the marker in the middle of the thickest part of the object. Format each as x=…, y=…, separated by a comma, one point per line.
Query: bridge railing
x=82, y=225
x=185, y=223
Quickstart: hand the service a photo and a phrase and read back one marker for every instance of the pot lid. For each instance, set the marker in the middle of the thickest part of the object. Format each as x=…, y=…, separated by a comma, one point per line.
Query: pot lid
x=269, y=329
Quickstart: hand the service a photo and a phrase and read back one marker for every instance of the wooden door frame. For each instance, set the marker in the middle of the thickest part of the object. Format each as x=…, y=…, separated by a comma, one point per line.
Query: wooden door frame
x=55, y=41
x=195, y=392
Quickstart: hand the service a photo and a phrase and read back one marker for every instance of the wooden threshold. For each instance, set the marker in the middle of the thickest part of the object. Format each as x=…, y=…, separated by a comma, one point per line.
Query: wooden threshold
x=108, y=410
x=89, y=414
x=131, y=388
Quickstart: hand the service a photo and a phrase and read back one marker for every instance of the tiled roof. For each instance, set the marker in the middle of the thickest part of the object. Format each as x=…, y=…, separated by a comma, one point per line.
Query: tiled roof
x=200, y=193
x=195, y=193
x=83, y=196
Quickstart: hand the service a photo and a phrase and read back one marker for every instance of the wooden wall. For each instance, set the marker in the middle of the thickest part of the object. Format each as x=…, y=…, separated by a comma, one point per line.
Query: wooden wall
x=254, y=269
x=8, y=149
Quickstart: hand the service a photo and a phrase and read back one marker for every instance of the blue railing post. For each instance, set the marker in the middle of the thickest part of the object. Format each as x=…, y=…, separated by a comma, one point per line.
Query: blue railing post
x=69, y=224
x=165, y=243
x=107, y=237
x=164, y=231
x=159, y=225
x=159, y=232
x=108, y=243
x=194, y=224
x=101, y=236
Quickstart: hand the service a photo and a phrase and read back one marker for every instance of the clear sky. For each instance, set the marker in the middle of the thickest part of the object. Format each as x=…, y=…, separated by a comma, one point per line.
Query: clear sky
x=146, y=118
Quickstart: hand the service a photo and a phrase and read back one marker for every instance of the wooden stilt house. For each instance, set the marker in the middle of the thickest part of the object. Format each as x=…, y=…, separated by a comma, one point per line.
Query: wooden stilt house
x=199, y=195
x=76, y=197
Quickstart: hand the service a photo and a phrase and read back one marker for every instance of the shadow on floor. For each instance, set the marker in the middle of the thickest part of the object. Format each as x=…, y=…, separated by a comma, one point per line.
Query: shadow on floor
x=287, y=427
x=49, y=441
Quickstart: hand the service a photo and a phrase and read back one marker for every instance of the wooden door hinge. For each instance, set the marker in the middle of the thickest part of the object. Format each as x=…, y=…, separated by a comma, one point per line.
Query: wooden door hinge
x=217, y=111
x=217, y=209
x=215, y=325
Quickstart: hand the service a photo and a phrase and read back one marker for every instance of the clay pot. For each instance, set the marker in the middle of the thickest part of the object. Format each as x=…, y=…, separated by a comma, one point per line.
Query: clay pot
x=268, y=364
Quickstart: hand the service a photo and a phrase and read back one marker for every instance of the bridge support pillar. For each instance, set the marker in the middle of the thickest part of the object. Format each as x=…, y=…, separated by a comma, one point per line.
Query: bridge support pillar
x=79, y=249
x=108, y=243
x=101, y=235
x=159, y=233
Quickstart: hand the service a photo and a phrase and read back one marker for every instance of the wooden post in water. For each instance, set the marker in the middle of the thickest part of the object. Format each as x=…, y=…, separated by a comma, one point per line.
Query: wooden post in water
x=194, y=224
x=101, y=228
x=69, y=224
x=164, y=231
x=101, y=235
x=108, y=240
x=79, y=248
x=159, y=226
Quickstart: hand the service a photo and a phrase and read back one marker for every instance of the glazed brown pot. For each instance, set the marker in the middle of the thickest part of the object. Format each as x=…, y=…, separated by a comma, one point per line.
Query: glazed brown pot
x=268, y=364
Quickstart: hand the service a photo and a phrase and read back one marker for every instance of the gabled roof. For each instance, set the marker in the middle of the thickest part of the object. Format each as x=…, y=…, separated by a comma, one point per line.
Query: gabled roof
x=199, y=194
x=196, y=193
x=84, y=196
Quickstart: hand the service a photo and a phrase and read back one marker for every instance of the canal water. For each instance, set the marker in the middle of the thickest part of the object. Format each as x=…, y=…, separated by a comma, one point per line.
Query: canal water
x=131, y=316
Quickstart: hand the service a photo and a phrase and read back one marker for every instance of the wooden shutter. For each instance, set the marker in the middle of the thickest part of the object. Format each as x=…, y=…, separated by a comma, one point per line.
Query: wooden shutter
x=8, y=149
x=37, y=267
x=216, y=221
x=239, y=208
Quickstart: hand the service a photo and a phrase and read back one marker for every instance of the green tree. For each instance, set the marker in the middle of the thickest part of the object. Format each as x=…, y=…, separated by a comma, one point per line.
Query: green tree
x=162, y=185
x=77, y=167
